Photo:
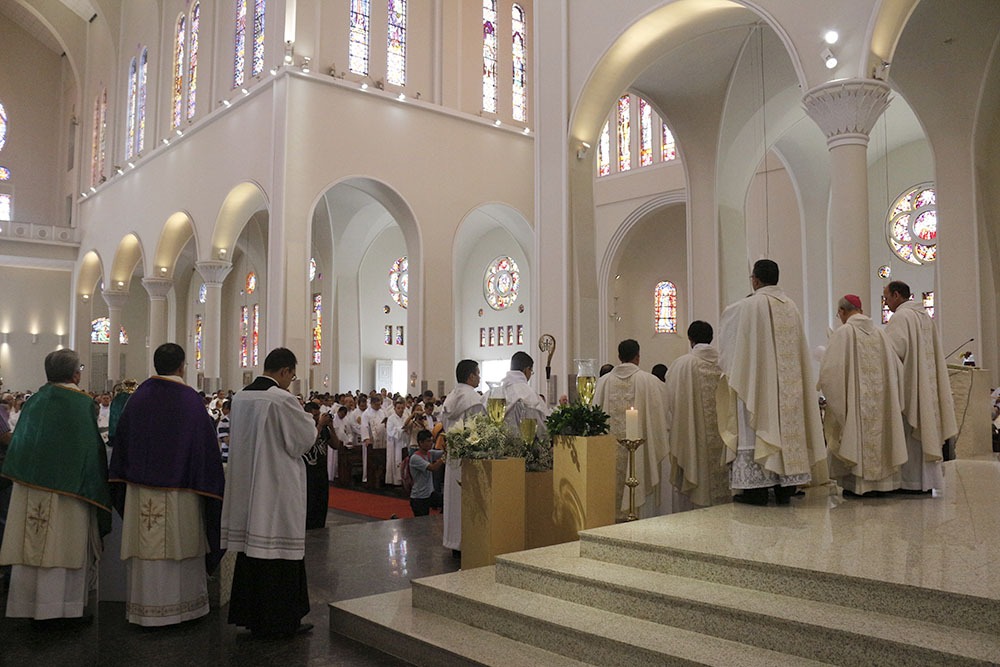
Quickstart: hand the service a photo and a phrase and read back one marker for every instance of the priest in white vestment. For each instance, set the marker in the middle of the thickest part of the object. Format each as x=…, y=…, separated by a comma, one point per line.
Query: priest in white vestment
x=60, y=503
x=463, y=401
x=264, y=510
x=863, y=421
x=697, y=454
x=928, y=406
x=397, y=439
x=625, y=387
x=167, y=482
x=522, y=401
x=768, y=407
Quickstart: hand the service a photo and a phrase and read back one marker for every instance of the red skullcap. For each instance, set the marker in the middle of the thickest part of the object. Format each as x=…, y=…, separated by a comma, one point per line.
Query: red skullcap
x=854, y=300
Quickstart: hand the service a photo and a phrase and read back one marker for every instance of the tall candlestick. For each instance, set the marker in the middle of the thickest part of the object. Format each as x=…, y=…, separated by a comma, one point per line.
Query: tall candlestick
x=632, y=424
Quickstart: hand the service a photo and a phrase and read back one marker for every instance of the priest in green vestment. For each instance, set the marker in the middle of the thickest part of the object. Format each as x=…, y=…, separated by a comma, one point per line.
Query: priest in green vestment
x=60, y=503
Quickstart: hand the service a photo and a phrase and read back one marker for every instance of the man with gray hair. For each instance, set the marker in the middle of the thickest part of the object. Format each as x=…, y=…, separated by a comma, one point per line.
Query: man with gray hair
x=60, y=504
x=863, y=422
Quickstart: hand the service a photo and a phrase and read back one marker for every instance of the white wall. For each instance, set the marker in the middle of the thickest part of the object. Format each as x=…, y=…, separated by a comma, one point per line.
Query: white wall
x=373, y=296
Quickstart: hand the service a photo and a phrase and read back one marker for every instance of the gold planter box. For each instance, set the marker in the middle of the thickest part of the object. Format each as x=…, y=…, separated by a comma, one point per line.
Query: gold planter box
x=583, y=484
x=492, y=509
x=539, y=521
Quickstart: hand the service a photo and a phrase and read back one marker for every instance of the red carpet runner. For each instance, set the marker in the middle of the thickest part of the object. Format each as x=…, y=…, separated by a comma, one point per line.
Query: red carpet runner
x=369, y=504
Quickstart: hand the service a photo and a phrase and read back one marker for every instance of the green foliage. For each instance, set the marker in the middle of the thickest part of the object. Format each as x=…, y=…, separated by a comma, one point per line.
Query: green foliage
x=578, y=419
x=480, y=438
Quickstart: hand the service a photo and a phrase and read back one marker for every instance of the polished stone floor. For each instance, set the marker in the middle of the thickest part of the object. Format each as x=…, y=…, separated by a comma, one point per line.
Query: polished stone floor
x=352, y=557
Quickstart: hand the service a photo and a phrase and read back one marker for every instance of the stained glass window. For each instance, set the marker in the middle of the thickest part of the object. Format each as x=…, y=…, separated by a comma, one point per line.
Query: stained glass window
x=501, y=282
x=357, y=56
x=6, y=204
x=251, y=283
x=665, y=308
x=604, y=151
x=244, y=336
x=102, y=143
x=510, y=334
x=490, y=55
x=886, y=313
x=317, y=329
x=255, y=334
x=400, y=340
x=520, y=334
x=239, y=55
x=520, y=65
x=645, y=133
x=624, y=133
x=399, y=282
x=482, y=336
x=911, y=225
x=493, y=336
x=3, y=127
x=396, y=49
x=388, y=334
x=177, y=97
x=192, y=87
x=928, y=303
x=4, y=174
x=133, y=89
x=259, y=9
x=202, y=293
x=312, y=269
x=100, y=332
x=198, y=358
x=668, y=147
x=140, y=105
x=95, y=155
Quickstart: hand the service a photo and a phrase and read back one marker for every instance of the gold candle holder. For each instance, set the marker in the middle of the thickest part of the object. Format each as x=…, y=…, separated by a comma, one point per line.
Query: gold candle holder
x=631, y=481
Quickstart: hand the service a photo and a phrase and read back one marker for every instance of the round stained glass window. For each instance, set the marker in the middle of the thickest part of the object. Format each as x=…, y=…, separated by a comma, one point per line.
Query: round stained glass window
x=202, y=293
x=4, y=174
x=251, y=282
x=399, y=282
x=501, y=282
x=884, y=271
x=312, y=269
x=911, y=226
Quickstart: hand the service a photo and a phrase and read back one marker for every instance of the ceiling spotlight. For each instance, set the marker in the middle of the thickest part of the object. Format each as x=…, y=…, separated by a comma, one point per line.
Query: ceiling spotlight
x=163, y=270
x=120, y=284
x=289, y=52
x=526, y=130
x=119, y=170
x=305, y=63
x=93, y=189
x=273, y=70
x=83, y=194
x=165, y=141
x=131, y=165
x=401, y=97
x=364, y=85
x=497, y=122
x=179, y=132
x=226, y=103
x=831, y=36
x=244, y=91
x=829, y=58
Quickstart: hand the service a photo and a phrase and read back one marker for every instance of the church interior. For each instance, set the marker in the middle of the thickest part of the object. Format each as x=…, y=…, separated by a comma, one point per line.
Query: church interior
x=388, y=187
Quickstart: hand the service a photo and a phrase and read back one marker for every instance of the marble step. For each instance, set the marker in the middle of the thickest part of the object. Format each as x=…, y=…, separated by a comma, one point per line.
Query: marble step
x=390, y=623
x=792, y=576
x=580, y=632
x=807, y=628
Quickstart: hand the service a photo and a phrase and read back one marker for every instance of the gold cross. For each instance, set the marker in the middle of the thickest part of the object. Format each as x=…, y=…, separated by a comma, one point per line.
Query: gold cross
x=38, y=518
x=150, y=514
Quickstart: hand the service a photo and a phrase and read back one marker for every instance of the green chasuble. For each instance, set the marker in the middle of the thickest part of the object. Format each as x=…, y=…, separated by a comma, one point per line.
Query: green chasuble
x=57, y=447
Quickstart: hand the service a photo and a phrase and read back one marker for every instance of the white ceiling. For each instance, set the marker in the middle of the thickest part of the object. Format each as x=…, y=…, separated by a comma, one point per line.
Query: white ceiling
x=24, y=19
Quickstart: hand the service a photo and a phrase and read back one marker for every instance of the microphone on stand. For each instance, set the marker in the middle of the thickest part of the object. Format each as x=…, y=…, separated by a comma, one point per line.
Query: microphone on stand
x=959, y=348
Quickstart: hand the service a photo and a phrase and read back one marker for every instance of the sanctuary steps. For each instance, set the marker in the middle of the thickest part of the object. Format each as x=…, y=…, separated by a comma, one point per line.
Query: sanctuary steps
x=891, y=581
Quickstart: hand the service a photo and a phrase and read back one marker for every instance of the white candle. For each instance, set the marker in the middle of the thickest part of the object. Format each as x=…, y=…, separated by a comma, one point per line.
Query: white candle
x=632, y=424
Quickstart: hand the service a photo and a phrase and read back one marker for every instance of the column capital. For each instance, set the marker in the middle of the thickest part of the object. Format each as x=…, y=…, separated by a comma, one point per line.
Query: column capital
x=214, y=272
x=115, y=298
x=157, y=288
x=846, y=110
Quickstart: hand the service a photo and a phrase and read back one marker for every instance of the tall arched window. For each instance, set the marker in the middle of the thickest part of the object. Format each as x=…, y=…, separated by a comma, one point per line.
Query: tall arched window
x=357, y=55
x=317, y=329
x=3, y=127
x=192, y=84
x=665, y=308
x=490, y=55
x=140, y=105
x=99, y=155
x=645, y=133
x=624, y=133
x=396, y=48
x=133, y=91
x=668, y=148
x=259, y=9
x=240, y=43
x=177, y=95
x=604, y=151
x=100, y=332
x=244, y=336
x=520, y=64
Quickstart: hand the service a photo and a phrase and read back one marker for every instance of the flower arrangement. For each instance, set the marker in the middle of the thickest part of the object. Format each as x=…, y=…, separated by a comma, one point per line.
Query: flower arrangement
x=579, y=420
x=481, y=438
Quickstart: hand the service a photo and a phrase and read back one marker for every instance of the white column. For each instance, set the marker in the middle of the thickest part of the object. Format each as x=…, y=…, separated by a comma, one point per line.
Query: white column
x=157, y=288
x=214, y=274
x=846, y=111
x=116, y=301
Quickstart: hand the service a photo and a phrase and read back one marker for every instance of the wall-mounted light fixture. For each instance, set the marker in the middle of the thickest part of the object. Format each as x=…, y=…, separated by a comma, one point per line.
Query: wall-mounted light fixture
x=306, y=60
x=289, y=52
x=222, y=253
x=582, y=150
x=828, y=58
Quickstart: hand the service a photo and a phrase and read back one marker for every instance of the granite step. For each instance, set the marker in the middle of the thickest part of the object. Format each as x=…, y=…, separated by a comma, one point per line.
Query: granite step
x=920, y=603
x=811, y=629
x=390, y=623
x=577, y=631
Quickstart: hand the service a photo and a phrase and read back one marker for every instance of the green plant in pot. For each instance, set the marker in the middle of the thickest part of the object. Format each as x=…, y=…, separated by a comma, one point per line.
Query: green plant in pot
x=577, y=419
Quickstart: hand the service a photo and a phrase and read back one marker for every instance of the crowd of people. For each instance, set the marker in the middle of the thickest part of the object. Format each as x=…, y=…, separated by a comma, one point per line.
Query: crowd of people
x=193, y=475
